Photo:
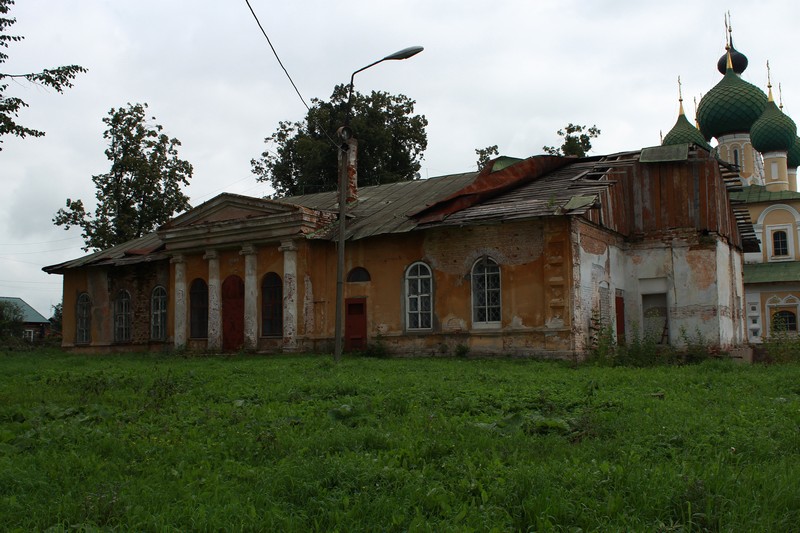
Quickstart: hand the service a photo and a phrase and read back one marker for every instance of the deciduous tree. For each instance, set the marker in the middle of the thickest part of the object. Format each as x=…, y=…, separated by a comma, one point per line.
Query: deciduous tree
x=143, y=188
x=577, y=140
x=58, y=78
x=301, y=157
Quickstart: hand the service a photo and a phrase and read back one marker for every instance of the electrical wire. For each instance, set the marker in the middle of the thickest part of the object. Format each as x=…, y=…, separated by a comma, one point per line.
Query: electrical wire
x=275, y=53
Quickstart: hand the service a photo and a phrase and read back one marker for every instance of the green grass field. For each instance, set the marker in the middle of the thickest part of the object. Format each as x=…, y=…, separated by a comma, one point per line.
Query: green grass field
x=165, y=443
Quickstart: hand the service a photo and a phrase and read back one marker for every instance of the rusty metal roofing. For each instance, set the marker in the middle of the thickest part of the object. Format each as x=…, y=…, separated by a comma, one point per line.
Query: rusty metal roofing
x=143, y=249
x=384, y=209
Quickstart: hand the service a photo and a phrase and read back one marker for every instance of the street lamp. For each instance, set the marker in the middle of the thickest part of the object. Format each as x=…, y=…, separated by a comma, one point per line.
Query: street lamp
x=348, y=143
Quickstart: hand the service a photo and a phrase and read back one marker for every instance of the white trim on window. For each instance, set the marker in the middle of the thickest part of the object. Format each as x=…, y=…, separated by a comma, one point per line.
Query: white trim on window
x=419, y=297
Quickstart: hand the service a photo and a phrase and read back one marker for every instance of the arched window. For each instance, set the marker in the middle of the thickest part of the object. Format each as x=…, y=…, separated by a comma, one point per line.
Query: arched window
x=486, y=292
x=358, y=274
x=780, y=243
x=271, y=305
x=736, y=158
x=158, y=314
x=784, y=321
x=419, y=300
x=198, y=309
x=83, y=322
x=122, y=317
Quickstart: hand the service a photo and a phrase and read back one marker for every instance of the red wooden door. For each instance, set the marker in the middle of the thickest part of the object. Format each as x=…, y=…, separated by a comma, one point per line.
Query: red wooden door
x=355, y=324
x=232, y=313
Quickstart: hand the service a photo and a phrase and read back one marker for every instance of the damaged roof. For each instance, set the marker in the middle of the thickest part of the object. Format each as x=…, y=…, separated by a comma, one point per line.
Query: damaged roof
x=147, y=248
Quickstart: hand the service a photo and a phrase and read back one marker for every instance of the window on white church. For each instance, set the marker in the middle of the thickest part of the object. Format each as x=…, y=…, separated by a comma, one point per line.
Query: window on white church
x=122, y=317
x=198, y=309
x=83, y=315
x=419, y=301
x=158, y=314
x=486, y=292
x=780, y=243
x=784, y=321
x=271, y=305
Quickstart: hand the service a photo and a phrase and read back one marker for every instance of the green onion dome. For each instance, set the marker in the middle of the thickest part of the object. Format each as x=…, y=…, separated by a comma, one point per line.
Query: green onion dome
x=773, y=131
x=684, y=132
x=732, y=106
x=793, y=156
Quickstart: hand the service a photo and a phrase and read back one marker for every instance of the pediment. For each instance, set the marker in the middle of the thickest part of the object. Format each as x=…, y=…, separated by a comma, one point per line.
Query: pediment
x=228, y=207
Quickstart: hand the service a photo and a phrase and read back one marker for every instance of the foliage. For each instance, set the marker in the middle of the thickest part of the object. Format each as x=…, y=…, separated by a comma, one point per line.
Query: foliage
x=485, y=155
x=58, y=78
x=143, y=188
x=11, y=324
x=782, y=345
x=57, y=319
x=645, y=351
x=301, y=157
x=577, y=141
x=155, y=443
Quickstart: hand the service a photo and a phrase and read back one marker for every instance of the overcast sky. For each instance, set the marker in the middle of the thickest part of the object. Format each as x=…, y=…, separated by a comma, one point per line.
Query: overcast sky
x=505, y=72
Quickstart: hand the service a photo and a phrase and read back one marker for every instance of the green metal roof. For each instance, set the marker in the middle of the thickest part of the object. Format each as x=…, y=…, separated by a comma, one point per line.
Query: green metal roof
x=773, y=131
x=758, y=193
x=770, y=272
x=793, y=156
x=683, y=132
x=29, y=314
x=731, y=106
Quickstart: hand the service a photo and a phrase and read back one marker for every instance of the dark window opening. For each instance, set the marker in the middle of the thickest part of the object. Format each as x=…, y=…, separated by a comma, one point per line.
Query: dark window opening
x=272, y=305
x=358, y=274
x=198, y=309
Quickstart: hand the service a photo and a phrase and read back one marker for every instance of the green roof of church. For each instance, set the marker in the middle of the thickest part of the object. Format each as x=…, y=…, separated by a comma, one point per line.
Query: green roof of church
x=773, y=131
x=683, y=132
x=771, y=272
x=793, y=156
x=758, y=193
x=731, y=106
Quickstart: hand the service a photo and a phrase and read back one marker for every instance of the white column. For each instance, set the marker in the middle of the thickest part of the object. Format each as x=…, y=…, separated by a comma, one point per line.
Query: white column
x=289, y=295
x=179, y=292
x=214, y=297
x=250, y=297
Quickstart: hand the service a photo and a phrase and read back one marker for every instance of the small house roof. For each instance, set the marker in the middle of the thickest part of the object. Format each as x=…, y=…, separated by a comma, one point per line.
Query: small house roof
x=29, y=314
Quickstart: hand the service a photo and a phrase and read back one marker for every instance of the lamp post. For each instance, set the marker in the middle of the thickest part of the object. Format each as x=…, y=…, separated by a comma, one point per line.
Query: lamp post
x=349, y=144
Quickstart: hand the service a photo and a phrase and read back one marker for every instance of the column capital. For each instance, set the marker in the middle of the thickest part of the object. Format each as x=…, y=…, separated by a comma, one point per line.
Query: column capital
x=248, y=249
x=287, y=246
x=210, y=254
x=177, y=258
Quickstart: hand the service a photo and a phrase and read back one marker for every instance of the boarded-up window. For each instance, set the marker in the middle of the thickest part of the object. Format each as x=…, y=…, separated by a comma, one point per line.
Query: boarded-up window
x=655, y=317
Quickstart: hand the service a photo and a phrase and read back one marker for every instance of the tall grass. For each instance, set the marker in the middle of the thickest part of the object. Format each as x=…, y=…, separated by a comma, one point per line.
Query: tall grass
x=300, y=444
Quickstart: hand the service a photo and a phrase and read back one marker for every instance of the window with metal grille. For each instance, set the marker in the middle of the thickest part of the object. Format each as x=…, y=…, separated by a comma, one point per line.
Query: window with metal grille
x=271, y=305
x=784, y=321
x=419, y=300
x=158, y=314
x=83, y=315
x=122, y=317
x=198, y=309
x=486, y=307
